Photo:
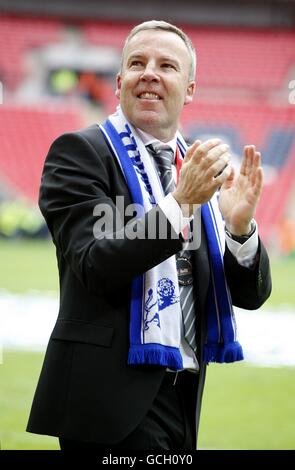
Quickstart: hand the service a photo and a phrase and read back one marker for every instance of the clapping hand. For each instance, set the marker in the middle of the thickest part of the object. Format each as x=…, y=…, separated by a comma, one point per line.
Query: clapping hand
x=239, y=196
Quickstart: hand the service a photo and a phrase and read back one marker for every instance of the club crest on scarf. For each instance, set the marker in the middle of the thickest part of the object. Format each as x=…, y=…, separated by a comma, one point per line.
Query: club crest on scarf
x=164, y=297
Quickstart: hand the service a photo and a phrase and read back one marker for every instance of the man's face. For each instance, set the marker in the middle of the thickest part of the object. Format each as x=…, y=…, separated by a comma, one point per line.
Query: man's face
x=154, y=84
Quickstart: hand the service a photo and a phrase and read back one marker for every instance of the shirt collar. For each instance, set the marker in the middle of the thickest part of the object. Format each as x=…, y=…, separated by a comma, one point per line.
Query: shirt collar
x=149, y=139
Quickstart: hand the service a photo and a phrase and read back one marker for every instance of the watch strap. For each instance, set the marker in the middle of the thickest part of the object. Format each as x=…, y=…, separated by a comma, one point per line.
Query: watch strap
x=242, y=238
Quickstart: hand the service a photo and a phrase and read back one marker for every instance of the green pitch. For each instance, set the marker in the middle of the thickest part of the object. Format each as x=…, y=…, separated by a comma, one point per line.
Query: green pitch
x=31, y=265
x=28, y=265
x=246, y=407
x=243, y=407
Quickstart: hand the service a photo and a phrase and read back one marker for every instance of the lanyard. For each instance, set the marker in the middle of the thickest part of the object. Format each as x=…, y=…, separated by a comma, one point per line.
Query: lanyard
x=178, y=162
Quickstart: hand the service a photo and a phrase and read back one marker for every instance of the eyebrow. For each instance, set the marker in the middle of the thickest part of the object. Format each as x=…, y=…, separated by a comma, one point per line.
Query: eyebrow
x=169, y=59
x=162, y=58
x=134, y=56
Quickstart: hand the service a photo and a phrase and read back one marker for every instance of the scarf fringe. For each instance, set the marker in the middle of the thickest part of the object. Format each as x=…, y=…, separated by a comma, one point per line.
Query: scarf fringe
x=156, y=355
x=221, y=353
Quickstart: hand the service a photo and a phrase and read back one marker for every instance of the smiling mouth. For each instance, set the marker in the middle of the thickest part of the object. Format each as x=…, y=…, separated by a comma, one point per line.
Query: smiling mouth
x=147, y=95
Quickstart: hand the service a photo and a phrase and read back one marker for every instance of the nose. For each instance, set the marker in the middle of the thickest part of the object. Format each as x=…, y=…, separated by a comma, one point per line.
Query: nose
x=149, y=73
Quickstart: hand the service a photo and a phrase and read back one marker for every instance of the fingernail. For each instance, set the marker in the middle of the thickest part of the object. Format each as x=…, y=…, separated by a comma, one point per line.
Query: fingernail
x=225, y=147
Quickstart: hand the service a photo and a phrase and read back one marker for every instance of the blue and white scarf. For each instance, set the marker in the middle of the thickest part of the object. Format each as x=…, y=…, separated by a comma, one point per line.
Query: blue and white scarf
x=155, y=315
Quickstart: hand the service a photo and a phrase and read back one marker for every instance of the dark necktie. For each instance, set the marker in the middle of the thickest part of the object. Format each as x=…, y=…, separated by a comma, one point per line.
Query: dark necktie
x=164, y=156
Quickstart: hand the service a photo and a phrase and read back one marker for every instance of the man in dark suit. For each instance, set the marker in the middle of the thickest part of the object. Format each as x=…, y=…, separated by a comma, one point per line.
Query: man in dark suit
x=88, y=394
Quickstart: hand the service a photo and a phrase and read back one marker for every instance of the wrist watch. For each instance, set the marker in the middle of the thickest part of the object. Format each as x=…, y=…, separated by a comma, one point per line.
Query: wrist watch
x=242, y=238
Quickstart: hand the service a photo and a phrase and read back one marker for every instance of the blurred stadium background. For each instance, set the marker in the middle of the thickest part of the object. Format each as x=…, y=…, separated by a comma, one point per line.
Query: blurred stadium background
x=58, y=63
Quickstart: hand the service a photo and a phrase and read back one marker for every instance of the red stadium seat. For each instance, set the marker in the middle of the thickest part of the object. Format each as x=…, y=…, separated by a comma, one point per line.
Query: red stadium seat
x=226, y=57
x=26, y=134
x=239, y=73
x=272, y=131
x=19, y=35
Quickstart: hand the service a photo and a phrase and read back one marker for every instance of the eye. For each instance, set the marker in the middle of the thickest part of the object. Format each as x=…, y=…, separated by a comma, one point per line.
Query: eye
x=168, y=65
x=135, y=63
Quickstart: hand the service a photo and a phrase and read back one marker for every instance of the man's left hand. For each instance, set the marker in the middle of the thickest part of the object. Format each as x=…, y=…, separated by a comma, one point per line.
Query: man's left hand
x=239, y=196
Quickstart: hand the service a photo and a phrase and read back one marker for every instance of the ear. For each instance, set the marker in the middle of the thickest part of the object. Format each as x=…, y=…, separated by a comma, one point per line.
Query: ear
x=118, y=89
x=190, y=91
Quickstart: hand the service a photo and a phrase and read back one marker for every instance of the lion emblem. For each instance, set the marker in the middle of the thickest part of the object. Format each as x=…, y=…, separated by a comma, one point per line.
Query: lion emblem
x=165, y=297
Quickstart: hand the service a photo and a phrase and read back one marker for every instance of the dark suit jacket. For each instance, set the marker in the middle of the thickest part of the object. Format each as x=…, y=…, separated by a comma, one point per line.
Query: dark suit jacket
x=86, y=390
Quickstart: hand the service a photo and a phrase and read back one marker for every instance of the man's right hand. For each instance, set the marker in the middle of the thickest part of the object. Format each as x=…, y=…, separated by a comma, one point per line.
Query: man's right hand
x=205, y=168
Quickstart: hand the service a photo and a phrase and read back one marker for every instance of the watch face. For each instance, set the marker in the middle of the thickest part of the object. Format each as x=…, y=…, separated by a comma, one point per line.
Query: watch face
x=184, y=271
